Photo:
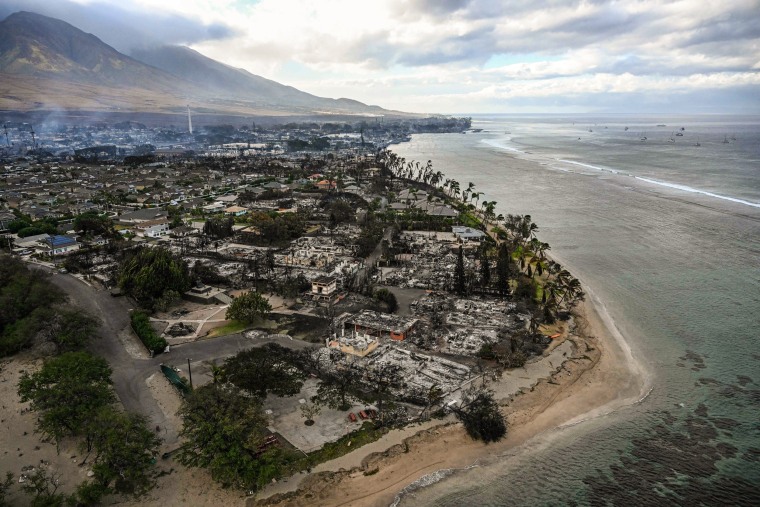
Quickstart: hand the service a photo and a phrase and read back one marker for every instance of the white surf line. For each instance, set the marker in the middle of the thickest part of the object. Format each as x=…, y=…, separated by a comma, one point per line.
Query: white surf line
x=676, y=186
x=605, y=169
x=698, y=191
x=496, y=144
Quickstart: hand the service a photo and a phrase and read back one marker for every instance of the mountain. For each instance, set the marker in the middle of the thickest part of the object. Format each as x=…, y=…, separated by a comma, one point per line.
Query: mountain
x=208, y=74
x=48, y=64
x=42, y=47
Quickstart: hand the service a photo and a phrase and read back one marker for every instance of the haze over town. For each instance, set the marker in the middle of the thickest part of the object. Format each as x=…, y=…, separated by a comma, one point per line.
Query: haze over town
x=459, y=56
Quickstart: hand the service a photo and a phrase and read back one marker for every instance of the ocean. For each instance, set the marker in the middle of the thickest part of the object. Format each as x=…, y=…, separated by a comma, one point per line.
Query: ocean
x=665, y=232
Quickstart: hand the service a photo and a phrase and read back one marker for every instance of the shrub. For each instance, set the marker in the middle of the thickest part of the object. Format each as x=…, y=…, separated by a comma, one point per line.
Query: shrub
x=141, y=325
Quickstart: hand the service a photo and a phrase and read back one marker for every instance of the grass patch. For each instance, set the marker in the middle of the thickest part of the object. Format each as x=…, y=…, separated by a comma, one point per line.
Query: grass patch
x=468, y=219
x=232, y=327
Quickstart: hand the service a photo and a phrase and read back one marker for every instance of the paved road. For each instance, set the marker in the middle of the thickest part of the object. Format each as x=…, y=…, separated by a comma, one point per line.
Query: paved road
x=130, y=372
x=404, y=298
x=371, y=260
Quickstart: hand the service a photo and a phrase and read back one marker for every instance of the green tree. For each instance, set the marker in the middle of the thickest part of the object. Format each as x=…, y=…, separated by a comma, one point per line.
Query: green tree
x=248, y=307
x=482, y=418
x=71, y=329
x=218, y=228
x=340, y=210
x=225, y=431
x=26, y=296
x=68, y=390
x=150, y=272
x=309, y=411
x=18, y=224
x=335, y=388
x=5, y=486
x=125, y=450
x=270, y=368
x=91, y=223
x=43, y=487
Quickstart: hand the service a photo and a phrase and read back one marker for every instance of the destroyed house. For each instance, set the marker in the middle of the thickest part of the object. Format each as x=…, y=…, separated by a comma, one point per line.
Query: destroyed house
x=378, y=325
x=324, y=286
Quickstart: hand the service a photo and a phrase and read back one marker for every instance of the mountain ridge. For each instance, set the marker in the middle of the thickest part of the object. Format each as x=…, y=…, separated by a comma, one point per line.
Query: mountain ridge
x=46, y=63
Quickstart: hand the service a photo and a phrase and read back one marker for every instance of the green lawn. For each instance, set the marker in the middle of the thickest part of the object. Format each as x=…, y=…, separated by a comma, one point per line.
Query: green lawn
x=232, y=327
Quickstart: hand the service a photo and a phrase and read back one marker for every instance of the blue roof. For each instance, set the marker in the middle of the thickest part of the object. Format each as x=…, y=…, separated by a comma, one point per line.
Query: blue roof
x=59, y=241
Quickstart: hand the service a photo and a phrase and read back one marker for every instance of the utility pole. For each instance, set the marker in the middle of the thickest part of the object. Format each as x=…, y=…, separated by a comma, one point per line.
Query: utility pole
x=190, y=373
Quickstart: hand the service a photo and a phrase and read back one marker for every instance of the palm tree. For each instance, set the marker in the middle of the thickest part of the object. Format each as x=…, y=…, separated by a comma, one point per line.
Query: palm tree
x=436, y=178
x=454, y=187
x=476, y=197
x=466, y=193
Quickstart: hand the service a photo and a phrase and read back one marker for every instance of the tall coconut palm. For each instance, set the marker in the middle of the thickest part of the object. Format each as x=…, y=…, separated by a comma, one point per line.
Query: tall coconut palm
x=488, y=211
x=436, y=178
x=476, y=197
x=454, y=187
x=467, y=191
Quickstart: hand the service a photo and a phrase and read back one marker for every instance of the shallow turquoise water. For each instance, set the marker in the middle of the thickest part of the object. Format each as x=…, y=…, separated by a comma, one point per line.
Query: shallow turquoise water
x=678, y=271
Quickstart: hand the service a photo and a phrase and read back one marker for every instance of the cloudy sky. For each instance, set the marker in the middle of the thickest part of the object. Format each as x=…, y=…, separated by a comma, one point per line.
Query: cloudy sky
x=462, y=56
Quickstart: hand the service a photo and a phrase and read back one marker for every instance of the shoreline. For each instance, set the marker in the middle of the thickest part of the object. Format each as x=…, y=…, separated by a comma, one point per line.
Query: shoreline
x=600, y=377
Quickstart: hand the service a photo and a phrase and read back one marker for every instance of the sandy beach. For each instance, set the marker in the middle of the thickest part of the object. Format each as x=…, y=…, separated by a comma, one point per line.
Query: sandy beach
x=600, y=376
x=589, y=373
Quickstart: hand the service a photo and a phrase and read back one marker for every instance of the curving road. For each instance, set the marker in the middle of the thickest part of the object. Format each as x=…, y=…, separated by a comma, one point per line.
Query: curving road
x=130, y=372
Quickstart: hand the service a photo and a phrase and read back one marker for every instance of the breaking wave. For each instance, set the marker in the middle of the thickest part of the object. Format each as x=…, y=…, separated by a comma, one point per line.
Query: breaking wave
x=427, y=480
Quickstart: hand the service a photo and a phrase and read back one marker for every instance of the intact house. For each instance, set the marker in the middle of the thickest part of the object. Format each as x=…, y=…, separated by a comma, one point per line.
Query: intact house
x=153, y=228
x=324, y=287
x=468, y=233
x=60, y=245
x=143, y=215
x=214, y=207
x=227, y=200
x=326, y=184
x=235, y=211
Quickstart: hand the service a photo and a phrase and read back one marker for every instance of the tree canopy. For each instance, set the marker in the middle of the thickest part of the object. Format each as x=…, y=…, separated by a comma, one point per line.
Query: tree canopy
x=248, y=307
x=26, y=297
x=225, y=432
x=151, y=272
x=218, y=228
x=268, y=369
x=90, y=223
x=482, y=418
x=125, y=449
x=68, y=390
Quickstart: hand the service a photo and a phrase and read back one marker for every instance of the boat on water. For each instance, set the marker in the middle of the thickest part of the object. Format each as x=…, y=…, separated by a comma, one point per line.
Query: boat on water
x=643, y=137
x=679, y=134
x=725, y=139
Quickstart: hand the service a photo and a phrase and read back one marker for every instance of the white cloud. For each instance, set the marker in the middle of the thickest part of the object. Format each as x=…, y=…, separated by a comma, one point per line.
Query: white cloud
x=431, y=54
